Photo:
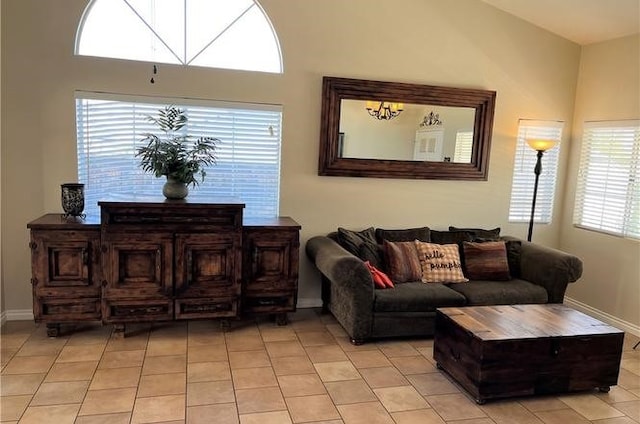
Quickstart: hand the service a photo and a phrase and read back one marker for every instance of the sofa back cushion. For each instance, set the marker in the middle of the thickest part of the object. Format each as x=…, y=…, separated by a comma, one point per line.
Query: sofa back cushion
x=374, y=253
x=480, y=233
x=351, y=240
x=451, y=237
x=409, y=234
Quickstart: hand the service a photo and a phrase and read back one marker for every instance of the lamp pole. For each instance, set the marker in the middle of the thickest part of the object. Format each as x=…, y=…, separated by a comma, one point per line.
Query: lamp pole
x=537, y=170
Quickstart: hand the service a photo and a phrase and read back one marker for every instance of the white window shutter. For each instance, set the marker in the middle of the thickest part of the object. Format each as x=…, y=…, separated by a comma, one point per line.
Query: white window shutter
x=608, y=194
x=524, y=177
x=464, y=144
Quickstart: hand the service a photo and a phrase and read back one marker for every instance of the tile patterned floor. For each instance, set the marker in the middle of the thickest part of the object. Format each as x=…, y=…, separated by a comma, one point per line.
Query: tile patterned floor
x=259, y=373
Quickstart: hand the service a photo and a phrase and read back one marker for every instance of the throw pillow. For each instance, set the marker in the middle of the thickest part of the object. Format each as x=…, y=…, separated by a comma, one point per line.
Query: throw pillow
x=402, y=261
x=486, y=261
x=480, y=233
x=380, y=279
x=351, y=240
x=440, y=263
x=451, y=237
x=409, y=234
x=372, y=252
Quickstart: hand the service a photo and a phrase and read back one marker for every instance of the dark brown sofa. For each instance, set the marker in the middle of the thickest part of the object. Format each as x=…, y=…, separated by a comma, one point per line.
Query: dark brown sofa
x=366, y=313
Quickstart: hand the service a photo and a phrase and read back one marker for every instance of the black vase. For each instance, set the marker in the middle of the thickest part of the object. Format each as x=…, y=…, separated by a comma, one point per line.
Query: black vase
x=72, y=197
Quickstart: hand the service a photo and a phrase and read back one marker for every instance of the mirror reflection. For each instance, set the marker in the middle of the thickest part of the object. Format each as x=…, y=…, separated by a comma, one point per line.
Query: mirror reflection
x=381, y=129
x=405, y=131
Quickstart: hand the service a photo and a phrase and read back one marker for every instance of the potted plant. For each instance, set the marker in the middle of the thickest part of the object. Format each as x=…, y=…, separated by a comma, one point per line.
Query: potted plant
x=177, y=155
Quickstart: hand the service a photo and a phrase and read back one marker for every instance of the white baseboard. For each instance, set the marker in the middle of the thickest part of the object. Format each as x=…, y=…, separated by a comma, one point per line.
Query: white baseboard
x=17, y=315
x=603, y=316
x=27, y=314
x=309, y=303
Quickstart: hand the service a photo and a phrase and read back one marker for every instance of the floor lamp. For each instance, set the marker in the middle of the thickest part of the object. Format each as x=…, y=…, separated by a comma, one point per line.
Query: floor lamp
x=541, y=146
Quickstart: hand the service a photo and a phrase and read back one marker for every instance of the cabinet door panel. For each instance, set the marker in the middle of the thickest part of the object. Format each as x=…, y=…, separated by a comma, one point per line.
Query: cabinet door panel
x=272, y=260
x=138, y=265
x=207, y=265
x=270, y=270
x=61, y=262
x=68, y=265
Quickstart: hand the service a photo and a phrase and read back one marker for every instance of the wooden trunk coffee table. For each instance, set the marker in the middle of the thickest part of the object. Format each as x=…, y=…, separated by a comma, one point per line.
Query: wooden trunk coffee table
x=517, y=350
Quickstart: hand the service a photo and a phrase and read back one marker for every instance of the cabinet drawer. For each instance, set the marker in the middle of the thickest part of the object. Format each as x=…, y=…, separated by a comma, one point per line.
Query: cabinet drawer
x=61, y=309
x=268, y=287
x=206, y=308
x=119, y=217
x=269, y=303
x=117, y=311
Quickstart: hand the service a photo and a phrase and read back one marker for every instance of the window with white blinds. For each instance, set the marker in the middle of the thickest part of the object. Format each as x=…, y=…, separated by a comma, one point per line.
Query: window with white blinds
x=464, y=143
x=110, y=130
x=608, y=193
x=524, y=177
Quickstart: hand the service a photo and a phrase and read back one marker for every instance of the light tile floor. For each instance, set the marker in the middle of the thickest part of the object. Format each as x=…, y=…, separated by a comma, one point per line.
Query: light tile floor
x=259, y=373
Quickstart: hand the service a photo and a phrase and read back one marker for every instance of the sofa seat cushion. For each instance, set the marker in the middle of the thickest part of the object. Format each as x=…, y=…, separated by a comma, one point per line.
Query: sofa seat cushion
x=501, y=292
x=416, y=297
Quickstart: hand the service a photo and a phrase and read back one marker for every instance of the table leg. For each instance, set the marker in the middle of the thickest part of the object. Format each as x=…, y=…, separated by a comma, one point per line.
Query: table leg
x=53, y=329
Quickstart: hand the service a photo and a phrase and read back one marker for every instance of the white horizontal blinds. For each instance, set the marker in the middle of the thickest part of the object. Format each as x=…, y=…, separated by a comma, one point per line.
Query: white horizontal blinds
x=523, y=172
x=108, y=136
x=608, y=194
x=248, y=164
x=247, y=168
x=464, y=143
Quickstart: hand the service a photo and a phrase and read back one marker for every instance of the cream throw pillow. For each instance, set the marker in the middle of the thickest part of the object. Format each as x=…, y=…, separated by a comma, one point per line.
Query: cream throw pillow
x=440, y=263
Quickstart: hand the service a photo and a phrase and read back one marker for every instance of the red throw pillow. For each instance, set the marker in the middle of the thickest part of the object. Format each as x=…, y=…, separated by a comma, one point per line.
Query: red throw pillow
x=380, y=279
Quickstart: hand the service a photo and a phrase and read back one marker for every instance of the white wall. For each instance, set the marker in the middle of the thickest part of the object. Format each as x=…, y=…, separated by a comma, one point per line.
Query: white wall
x=462, y=43
x=1, y=274
x=608, y=89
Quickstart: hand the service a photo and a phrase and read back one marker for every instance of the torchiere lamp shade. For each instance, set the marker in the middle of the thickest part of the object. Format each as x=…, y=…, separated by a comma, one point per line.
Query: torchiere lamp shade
x=539, y=144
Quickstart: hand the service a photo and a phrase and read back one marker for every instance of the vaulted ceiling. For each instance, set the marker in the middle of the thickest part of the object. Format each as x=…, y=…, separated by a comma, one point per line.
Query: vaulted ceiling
x=581, y=21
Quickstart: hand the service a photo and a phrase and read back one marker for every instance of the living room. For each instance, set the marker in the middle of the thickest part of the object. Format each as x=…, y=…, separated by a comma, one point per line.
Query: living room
x=536, y=74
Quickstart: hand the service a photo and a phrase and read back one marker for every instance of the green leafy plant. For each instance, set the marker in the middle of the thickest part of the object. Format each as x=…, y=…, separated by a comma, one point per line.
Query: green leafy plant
x=173, y=153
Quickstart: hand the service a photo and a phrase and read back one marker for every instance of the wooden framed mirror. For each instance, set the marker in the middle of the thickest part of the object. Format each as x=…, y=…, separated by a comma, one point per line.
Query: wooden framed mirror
x=421, y=131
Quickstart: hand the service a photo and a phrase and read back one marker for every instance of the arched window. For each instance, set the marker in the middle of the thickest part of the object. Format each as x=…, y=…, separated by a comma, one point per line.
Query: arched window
x=230, y=34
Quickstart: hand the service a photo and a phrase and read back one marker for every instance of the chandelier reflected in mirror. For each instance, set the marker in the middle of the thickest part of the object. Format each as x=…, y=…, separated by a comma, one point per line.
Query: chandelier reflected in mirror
x=384, y=110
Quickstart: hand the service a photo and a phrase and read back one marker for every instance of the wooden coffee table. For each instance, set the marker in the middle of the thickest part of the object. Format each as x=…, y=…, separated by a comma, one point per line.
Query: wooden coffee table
x=518, y=350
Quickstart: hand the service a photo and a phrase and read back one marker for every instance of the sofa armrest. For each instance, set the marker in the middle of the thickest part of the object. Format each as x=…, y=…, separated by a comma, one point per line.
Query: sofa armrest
x=351, y=285
x=550, y=268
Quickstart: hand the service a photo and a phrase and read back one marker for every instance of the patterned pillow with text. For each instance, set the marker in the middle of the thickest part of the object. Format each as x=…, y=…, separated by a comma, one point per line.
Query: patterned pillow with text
x=440, y=263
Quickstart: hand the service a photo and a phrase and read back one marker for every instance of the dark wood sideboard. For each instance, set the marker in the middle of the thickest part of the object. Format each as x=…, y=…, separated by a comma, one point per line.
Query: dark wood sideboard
x=162, y=261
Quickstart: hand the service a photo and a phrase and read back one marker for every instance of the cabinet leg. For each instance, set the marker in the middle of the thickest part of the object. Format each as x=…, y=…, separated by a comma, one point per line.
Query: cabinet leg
x=118, y=331
x=53, y=330
x=281, y=319
x=225, y=325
